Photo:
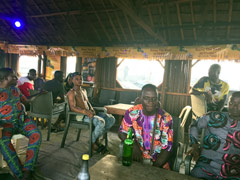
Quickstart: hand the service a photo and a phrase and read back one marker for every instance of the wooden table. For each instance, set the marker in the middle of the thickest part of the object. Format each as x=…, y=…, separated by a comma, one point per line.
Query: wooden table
x=110, y=168
x=118, y=109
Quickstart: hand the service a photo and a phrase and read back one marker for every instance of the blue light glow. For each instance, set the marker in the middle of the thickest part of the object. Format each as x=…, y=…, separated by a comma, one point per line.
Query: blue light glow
x=17, y=24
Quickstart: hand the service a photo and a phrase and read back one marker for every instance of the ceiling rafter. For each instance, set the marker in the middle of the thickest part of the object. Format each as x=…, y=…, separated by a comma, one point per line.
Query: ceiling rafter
x=87, y=21
x=46, y=19
x=64, y=18
x=130, y=12
x=229, y=17
x=112, y=24
x=180, y=20
x=162, y=22
x=119, y=23
x=129, y=26
x=214, y=17
x=150, y=16
x=100, y=22
x=193, y=21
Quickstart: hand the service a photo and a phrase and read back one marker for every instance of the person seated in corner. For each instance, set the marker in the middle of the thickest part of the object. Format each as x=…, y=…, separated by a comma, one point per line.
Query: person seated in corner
x=56, y=87
x=68, y=84
x=219, y=155
x=14, y=121
x=141, y=118
x=79, y=103
x=214, y=89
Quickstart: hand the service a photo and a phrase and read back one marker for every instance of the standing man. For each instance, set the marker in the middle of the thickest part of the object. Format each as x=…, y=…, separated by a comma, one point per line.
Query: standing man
x=14, y=121
x=79, y=103
x=214, y=89
x=26, y=83
x=142, y=118
x=220, y=156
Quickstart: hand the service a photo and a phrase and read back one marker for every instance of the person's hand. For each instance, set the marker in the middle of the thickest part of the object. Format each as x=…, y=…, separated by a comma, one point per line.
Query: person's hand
x=195, y=151
x=89, y=113
x=209, y=96
x=137, y=153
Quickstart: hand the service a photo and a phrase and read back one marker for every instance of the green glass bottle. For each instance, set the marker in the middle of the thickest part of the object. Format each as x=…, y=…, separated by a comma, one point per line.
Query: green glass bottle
x=127, y=149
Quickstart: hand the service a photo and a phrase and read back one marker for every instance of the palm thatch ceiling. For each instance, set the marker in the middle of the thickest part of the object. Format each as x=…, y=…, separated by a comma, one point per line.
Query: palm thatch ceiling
x=121, y=22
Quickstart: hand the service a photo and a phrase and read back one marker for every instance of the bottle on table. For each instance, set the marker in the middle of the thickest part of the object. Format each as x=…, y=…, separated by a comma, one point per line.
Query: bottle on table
x=84, y=174
x=127, y=149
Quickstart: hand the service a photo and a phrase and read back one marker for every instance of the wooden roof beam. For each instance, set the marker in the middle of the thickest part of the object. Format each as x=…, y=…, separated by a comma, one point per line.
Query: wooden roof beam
x=87, y=21
x=130, y=12
x=119, y=23
x=180, y=20
x=162, y=23
x=46, y=19
x=111, y=22
x=193, y=21
x=100, y=22
x=229, y=17
x=150, y=16
x=74, y=33
x=214, y=16
x=129, y=26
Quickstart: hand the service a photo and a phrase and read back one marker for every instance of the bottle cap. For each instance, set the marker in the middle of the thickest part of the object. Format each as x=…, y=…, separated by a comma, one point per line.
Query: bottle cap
x=85, y=157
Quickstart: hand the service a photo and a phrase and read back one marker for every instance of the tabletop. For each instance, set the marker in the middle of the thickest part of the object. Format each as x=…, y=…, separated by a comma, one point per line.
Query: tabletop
x=110, y=168
x=118, y=109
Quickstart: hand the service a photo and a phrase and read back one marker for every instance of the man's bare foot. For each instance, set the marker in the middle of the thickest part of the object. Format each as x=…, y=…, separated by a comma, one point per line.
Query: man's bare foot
x=94, y=147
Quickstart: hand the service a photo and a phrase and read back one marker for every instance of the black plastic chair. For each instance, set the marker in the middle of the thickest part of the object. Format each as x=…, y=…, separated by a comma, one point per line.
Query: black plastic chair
x=72, y=121
x=106, y=97
x=42, y=107
x=127, y=97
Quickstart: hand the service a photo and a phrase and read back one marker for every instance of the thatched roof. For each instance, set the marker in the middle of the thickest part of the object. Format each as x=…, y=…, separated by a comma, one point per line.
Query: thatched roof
x=121, y=22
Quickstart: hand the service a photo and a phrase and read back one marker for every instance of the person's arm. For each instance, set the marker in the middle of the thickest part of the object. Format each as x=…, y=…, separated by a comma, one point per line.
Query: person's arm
x=167, y=131
x=74, y=108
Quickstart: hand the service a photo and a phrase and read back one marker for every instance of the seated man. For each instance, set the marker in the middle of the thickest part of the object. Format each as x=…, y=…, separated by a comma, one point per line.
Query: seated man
x=14, y=121
x=214, y=89
x=141, y=118
x=56, y=87
x=26, y=83
x=79, y=103
x=220, y=156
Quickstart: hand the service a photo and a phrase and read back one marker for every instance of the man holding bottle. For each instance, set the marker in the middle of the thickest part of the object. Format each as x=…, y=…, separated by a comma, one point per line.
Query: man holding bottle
x=148, y=121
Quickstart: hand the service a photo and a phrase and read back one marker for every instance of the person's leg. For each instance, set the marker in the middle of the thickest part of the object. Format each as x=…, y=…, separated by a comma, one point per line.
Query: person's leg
x=109, y=120
x=30, y=130
x=8, y=151
x=99, y=124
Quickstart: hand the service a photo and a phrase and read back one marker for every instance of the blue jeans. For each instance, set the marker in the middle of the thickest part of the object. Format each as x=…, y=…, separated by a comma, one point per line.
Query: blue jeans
x=103, y=122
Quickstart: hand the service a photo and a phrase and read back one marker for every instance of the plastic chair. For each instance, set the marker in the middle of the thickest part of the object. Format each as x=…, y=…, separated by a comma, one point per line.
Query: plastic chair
x=106, y=97
x=199, y=105
x=199, y=108
x=72, y=121
x=42, y=107
x=127, y=97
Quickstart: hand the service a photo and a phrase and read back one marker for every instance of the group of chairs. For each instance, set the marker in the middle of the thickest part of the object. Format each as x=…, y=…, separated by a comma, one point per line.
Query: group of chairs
x=42, y=107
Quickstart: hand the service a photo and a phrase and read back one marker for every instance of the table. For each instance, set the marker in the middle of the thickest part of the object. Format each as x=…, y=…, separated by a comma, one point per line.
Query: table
x=110, y=168
x=118, y=109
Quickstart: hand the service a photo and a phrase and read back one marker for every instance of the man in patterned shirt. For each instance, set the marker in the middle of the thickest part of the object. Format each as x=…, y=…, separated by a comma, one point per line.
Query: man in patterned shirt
x=141, y=119
x=220, y=156
x=14, y=121
x=214, y=89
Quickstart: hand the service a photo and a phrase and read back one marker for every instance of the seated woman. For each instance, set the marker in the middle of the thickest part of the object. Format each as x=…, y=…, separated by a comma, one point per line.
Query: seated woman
x=68, y=84
x=14, y=121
